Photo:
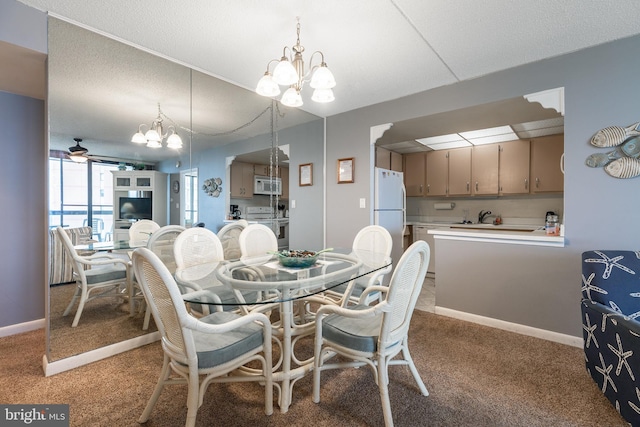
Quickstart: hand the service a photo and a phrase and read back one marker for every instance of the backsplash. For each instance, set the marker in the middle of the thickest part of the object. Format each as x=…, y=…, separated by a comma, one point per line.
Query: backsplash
x=513, y=209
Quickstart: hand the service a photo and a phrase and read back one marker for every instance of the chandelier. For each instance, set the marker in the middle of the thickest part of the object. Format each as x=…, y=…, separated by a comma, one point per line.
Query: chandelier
x=290, y=72
x=154, y=136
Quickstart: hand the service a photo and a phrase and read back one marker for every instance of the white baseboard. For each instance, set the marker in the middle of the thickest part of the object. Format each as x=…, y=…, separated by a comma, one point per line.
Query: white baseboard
x=19, y=328
x=512, y=327
x=57, y=366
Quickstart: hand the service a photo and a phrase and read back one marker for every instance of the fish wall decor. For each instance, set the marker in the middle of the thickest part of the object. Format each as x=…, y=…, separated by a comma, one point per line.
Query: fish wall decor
x=630, y=148
x=613, y=136
x=624, y=167
x=624, y=160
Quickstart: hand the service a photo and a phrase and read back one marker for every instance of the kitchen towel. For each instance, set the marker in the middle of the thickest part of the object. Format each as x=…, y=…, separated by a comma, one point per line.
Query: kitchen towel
x=444, y=206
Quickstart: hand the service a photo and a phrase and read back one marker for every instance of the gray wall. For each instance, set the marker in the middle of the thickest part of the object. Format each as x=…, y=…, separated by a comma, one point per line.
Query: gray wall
x=22, y=197
x=23, y=182
x=600, y=212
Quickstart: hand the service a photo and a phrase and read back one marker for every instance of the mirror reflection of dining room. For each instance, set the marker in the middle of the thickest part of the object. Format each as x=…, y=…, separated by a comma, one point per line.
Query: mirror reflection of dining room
x=107, y=176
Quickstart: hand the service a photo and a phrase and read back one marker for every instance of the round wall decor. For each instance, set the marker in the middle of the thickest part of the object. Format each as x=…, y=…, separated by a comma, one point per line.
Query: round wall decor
x=176, y=186
x=212, y=186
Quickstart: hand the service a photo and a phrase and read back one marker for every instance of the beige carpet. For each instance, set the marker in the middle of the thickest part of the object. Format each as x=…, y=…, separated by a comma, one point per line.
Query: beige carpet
x=103, y=321
x=476, y=376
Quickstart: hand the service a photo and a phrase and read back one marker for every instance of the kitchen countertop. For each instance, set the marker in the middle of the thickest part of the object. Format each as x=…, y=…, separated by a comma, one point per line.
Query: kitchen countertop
x=256, y=221
x=505, y=233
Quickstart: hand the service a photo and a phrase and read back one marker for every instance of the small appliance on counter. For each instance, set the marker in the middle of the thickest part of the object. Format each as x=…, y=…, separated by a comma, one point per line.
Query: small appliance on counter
x=235, y=212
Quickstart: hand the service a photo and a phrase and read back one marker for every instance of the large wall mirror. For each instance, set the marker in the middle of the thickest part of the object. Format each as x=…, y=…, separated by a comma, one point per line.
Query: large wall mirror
x=100, y=90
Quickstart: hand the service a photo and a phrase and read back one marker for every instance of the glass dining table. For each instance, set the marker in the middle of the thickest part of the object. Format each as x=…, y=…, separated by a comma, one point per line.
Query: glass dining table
x=286, y=294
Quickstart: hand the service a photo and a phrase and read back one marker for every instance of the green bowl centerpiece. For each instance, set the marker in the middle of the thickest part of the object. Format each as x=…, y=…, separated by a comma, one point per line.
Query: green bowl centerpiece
x=299, y=258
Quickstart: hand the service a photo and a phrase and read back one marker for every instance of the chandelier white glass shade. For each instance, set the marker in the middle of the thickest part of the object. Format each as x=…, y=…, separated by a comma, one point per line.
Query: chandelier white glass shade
x=154, y=136
x=290, y=71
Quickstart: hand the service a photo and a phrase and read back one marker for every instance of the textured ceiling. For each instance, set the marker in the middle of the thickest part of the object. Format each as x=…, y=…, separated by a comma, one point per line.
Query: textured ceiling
x=378, y=50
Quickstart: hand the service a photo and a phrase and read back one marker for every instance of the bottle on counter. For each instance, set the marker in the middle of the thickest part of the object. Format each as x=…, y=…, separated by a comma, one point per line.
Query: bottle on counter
x=552, y=226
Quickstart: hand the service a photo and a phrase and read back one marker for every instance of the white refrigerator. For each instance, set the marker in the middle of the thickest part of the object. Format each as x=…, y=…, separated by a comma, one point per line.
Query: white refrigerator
x=389, y=207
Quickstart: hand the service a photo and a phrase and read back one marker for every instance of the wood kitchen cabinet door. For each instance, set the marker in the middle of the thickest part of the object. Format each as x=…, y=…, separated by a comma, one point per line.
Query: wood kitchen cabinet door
x=437, y=173
x=514, y=167
x=459, y=172
x=383, y=158
x=396, y=161
x=484, y=167
x=284, y=176
x=546, y=172
x=414, y=172
x=241, y=180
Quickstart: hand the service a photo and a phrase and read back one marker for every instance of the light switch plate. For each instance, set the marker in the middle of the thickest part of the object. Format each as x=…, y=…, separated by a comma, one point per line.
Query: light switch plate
x=363, y=203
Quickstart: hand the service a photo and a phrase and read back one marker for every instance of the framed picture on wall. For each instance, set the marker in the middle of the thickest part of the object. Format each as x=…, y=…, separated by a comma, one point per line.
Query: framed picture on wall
x=306, y=175
x=345, y=170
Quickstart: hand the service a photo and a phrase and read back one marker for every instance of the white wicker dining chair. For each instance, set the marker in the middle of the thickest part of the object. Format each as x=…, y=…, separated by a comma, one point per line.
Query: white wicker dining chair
x=257, y=243
x=201, y=351
x=97, y=276
x=161, y=244
x=371, y=245
x=141, y=231
x=374, y=335
x=198, y=253
x=229, y=236
x=257, y=239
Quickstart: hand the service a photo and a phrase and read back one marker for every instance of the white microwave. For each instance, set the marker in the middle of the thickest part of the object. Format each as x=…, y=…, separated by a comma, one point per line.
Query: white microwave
x=266, y=185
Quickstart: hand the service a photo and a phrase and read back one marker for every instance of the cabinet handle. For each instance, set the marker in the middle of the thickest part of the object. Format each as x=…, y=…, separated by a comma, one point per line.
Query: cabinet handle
x=537, y=182
x=428, y=188
x=468, y=185
x=476, y=185
x=526, y=184
x=420, y=188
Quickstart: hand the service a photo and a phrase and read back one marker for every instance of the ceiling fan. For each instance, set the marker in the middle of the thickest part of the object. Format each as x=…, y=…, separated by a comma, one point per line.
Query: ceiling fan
x=78, y=153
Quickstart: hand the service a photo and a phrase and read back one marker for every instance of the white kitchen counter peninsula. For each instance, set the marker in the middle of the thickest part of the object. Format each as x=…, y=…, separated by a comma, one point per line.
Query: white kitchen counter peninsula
x=508, y=234
x=513, y=277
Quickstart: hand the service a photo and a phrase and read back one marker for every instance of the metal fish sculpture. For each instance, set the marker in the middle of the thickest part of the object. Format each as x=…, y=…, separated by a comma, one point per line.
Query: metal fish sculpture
x=613, y=135
x=624, y=167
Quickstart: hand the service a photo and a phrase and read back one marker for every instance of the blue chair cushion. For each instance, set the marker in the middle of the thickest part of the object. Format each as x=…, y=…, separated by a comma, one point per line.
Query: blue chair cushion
x=99, y=275
x=612, y=278
x=217, y=349
x=356, y=334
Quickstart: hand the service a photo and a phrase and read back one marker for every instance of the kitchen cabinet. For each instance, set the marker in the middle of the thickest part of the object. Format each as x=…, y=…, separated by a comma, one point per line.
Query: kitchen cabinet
x=242, y=180
x=449, y=172
x=437, y=171
x=396, y=161
x=414, y=171
x=546, y=173
x=383, y=158
x=514, y=167
x=284, y=175
x=484, y=169
x=388, y=159
x=459, y=172
x=261, y=170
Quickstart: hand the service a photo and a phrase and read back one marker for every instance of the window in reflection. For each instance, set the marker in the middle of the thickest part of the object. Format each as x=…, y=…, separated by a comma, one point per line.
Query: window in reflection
x=190, y=184
x=81, y=194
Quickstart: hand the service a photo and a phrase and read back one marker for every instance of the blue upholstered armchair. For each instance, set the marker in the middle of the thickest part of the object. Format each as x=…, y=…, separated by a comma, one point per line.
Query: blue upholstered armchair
x=611, y=328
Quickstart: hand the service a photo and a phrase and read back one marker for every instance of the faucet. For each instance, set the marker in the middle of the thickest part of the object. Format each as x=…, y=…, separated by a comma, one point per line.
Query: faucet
x=482, y=215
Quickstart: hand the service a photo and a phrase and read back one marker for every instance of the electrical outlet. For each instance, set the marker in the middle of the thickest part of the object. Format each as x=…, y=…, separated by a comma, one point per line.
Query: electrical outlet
x=293, y=204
